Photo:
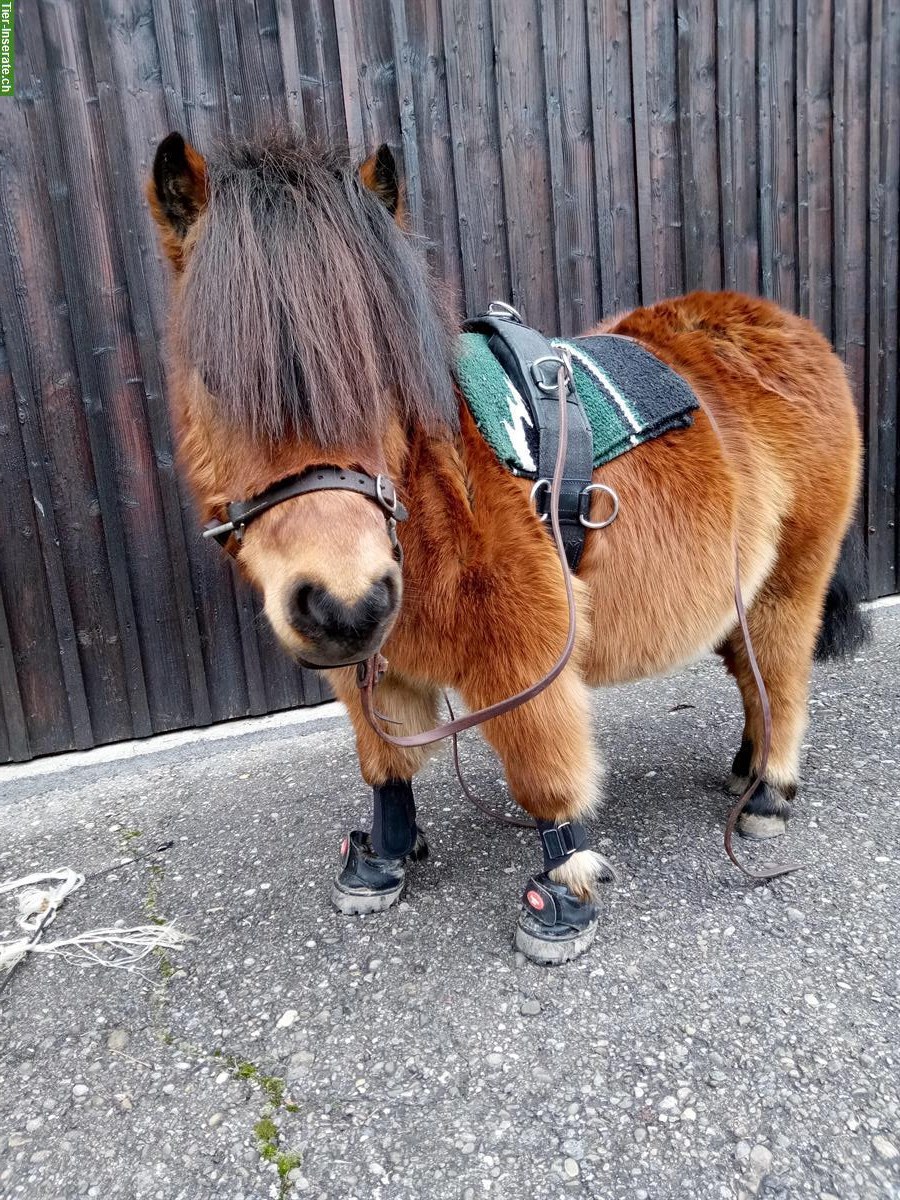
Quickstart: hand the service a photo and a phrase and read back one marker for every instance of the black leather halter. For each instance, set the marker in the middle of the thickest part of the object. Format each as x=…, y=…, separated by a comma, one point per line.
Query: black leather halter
x=315, y=479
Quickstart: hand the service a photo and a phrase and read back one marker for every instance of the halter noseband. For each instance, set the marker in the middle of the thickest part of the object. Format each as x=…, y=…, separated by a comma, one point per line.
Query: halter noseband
x=315, y=479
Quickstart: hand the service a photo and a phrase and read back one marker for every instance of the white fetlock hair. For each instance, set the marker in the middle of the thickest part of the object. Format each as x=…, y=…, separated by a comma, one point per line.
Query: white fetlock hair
x=583, y=870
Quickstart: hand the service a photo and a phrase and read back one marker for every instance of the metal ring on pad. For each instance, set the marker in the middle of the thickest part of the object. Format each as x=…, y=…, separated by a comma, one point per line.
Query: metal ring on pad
x=549, y=387
x=499, y=308
x=598, y=487
x=538, y=484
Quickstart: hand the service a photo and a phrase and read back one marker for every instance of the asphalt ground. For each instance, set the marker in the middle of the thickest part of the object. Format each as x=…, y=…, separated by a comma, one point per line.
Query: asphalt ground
x=718, y=1040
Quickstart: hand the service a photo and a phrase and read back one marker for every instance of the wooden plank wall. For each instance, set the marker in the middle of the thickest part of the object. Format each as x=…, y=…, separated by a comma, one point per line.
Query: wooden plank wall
x=575, y=156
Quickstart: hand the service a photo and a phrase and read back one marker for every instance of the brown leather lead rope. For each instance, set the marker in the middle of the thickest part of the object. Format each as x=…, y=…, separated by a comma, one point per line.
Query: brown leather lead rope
x=371, y=670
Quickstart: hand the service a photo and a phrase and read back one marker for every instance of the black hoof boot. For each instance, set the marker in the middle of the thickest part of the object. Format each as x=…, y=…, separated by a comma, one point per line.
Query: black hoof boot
x=369, y=883
x=554, y=925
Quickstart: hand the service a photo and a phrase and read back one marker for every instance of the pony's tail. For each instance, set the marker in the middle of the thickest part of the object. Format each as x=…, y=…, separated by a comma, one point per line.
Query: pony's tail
x=845, y=627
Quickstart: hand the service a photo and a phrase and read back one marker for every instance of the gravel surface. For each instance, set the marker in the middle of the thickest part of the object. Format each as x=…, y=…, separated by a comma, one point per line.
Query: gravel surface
x=717, y=1041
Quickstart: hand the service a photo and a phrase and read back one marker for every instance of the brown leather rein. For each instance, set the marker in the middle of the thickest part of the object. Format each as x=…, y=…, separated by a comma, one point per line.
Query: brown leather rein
x=371, y=670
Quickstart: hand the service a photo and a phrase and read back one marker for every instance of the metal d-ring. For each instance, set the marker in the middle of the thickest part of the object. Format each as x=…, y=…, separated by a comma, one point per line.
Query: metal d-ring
x=538, y=484
x=499, y=308
x=600, y=487
x=550, y=389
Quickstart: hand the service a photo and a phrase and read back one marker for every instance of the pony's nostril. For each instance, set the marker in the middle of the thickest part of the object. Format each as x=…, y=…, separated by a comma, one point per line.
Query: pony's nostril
x=312, y=609
x=381, y=598
x=317, y=614
x=300, y=603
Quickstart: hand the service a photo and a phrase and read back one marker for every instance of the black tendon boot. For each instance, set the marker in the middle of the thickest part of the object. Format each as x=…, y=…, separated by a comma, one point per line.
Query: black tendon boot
x=555, y=925
x=373, y=866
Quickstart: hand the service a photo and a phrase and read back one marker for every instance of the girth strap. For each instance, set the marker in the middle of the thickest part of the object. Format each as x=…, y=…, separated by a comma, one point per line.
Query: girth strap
x=532, y=365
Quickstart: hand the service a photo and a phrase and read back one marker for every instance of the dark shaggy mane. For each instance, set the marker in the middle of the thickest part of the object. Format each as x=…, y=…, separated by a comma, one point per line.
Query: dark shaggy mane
x=306, y=309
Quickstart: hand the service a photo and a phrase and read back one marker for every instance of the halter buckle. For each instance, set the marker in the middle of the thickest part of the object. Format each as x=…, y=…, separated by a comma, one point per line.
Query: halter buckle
x=387, y=494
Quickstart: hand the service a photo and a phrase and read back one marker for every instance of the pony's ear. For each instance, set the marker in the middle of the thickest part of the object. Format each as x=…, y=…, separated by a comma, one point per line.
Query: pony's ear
x=177, y=191
x=380, y=175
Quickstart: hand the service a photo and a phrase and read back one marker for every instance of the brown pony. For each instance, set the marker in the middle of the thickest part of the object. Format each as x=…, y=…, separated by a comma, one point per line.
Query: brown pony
x=306, y=331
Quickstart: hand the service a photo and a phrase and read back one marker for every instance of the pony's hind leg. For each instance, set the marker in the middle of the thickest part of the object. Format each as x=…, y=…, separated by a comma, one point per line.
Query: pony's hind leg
x=783, y=622
x=374, y=862
x=552, y=771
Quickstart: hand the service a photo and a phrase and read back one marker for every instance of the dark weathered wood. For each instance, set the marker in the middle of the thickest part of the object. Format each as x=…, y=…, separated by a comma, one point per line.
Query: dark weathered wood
x=53, y=566
x=814, y=207
x=188, y=38
x=437, y=219
x=367, y=73
x=882, y=356
x=472, y=101
x=615, y=198
x=14, y=744
x=641, y=117
x=285, y=37
x=106, y=363
x=404, y=65
x=577, y=157
x=55, y=111
x=698, y=143
x=318, y=60
x=253, y=669
x=851, y=186
x=838, y=157
x=736, y=70
x=169, y=70
x=765, y=123
x=252, y=98
x=570, y=135
x=785, y=158
x=525, y=160
x=125, y=221
x=887, y=448
x=665, y=182
x=265, y=28
x=875, y=286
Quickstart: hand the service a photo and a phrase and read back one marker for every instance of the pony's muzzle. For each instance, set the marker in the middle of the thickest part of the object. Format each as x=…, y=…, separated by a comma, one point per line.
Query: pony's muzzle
x=337, y=632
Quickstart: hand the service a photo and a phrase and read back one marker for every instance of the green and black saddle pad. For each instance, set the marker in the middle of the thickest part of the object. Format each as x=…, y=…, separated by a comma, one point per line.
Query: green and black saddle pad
x=629, y=395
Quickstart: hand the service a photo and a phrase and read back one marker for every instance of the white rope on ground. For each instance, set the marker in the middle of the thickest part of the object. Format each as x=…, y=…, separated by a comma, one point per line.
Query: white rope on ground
x=128, y=946
x=124, y=948
x=38, y=907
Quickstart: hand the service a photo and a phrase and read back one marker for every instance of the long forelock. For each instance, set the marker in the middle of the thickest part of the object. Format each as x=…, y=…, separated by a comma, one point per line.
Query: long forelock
x=305, y=308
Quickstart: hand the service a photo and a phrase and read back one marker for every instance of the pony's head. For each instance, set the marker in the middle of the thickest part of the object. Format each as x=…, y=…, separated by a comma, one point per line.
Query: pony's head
x=304, y=331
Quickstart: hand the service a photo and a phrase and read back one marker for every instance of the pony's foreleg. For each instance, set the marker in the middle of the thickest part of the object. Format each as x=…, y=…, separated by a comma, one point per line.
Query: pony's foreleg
x=373, y=862
x=553, y=774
